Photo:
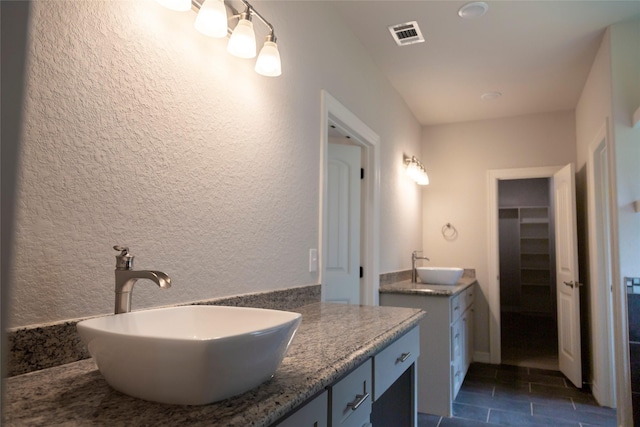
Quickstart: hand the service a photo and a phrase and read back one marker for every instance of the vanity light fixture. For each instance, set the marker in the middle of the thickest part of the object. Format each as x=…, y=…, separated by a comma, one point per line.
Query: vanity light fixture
x=212, y=21
x=416, y=171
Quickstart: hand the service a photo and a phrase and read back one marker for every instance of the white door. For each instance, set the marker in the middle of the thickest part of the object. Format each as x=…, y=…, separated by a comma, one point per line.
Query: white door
x=567, y=286
x=342, y=265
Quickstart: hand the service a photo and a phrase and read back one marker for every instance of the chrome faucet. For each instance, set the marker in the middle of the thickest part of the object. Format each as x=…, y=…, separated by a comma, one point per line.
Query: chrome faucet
x=126, y=277
x=414, y=257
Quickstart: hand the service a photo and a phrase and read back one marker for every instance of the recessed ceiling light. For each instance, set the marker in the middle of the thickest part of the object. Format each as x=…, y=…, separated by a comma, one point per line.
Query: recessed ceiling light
x=489, y=96
x=473, y=10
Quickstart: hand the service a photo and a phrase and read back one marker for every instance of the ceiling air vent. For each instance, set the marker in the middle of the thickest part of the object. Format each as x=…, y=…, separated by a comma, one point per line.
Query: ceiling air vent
x=407, y=33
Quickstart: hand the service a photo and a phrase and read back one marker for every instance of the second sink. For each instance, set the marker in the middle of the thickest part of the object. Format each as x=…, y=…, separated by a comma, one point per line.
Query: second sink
x=439, y=275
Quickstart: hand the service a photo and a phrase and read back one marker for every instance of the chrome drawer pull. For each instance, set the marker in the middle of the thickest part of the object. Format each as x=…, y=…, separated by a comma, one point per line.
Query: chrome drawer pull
x=360, y=398
x=403, y=357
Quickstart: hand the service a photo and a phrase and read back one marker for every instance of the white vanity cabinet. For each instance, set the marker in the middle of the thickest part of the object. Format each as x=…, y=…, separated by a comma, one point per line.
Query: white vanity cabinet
x=461, y=337
x=446, y=344
x=350, y=401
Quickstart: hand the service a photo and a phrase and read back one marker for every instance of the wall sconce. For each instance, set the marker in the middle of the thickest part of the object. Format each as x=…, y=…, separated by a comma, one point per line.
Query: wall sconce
x=212, y=21
x=416, y=171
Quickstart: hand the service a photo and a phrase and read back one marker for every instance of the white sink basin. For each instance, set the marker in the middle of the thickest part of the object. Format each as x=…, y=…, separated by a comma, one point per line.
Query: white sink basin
x=439, y=275
x=190, y=355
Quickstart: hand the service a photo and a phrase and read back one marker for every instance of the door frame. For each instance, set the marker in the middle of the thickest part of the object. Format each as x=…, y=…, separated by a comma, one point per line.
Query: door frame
x=493, y=285
x=333, y=112
x=600, y=269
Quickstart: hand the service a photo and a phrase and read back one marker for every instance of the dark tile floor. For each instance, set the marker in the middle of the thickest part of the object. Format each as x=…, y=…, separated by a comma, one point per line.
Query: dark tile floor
x=507, y=395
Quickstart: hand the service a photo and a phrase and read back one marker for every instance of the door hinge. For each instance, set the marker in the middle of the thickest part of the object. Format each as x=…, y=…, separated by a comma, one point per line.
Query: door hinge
x=361, y=272
x=361, y=173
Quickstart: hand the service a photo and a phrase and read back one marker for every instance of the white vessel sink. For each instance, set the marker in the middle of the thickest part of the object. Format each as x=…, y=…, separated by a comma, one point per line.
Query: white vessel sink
x=439, y=275
x=190, y=355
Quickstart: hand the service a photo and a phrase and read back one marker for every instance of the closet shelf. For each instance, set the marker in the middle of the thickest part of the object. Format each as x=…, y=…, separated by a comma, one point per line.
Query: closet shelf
x=534, y=220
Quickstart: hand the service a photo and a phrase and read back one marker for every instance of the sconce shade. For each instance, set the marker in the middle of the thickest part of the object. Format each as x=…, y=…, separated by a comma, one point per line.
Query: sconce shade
x=212, y=19
x=268, y=63
x=177, y=5
x=243, y=40
x=423, y=180
x=415, y=170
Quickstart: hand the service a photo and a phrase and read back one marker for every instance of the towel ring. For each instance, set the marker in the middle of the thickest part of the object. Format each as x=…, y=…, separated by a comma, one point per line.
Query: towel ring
x=449, y=231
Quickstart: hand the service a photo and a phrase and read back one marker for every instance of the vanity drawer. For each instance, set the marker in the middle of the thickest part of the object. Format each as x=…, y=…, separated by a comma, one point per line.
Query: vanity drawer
x=470, y=297
x=313, y=414
x=457, y=307
x=391, y=362
x=351, y=398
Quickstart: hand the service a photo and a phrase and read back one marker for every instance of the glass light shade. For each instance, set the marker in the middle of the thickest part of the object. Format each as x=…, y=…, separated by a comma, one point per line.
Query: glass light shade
x=413, y=171
x=268, y=63
x=212, y=19
x=243, y=40
x=177, y=5
x=424, y=179
x=417, y=173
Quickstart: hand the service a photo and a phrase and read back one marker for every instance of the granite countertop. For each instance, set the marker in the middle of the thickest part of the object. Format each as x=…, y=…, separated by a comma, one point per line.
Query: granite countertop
x=407, y=287
x=332, y=340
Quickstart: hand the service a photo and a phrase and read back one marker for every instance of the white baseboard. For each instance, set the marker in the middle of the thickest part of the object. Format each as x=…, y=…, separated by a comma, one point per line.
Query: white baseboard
x=482, y=357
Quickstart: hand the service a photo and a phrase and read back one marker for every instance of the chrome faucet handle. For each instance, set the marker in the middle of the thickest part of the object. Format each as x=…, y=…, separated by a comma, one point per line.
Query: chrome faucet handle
x=124, y=261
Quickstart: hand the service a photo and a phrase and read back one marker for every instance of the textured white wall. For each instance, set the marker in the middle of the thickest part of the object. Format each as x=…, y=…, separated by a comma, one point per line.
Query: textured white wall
x=140, y=131
x=458, y=157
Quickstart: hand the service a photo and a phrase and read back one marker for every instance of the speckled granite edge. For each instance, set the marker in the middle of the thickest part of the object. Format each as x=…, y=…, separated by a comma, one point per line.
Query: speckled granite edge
x=44, y=346
x=407, y=287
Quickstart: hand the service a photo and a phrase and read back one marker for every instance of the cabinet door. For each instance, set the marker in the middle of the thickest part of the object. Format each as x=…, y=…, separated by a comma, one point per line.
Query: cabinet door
x=351, y=398
x=313, y=414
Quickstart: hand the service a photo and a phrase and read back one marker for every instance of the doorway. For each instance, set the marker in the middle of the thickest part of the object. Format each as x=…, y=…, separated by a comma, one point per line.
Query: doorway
x=344, y=205
x=567, y=280
x=529, y=330
x=600, y=262
x=334, y=113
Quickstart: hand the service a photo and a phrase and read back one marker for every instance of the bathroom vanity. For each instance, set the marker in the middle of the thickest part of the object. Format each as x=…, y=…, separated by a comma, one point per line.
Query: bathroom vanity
x=446, y=337
x=347, y=366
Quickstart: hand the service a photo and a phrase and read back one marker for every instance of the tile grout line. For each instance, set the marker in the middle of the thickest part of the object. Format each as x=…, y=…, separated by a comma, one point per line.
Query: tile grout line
x=531, y=406
x=493, y=391
x=573, y=404
x=439, y=421
x=488, y=415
